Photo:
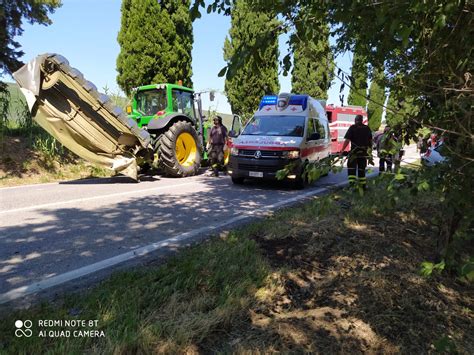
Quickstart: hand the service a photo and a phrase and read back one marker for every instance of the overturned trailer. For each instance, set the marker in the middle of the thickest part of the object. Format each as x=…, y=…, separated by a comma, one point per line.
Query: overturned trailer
x=71, y=109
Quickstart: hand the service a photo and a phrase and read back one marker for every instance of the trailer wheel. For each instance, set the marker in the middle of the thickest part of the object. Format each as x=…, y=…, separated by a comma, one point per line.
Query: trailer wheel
x=179, y=150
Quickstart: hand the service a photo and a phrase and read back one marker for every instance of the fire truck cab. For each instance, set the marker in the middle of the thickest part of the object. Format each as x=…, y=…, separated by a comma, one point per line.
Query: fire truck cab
x=286, y=129
x=340, y=119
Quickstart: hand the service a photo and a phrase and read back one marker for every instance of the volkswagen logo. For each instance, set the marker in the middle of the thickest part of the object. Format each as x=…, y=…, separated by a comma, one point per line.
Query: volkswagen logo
x=258, y=154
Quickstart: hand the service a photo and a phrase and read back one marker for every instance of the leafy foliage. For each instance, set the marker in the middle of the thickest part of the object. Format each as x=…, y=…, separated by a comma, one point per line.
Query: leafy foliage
x=313, y=69
x=4, y=109
x=11, y=19
x=426, y=48
x=251, y=77
x=398, y=108
x=12, y=14
x=377, y=100
x=358, y=90
x=156, y=40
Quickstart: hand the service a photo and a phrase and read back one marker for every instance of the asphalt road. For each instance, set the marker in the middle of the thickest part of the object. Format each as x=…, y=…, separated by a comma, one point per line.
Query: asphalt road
x=54, y=233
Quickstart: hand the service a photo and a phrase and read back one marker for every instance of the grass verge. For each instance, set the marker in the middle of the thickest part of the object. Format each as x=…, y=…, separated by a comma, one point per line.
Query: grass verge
x=28, y=161
x=339, y=274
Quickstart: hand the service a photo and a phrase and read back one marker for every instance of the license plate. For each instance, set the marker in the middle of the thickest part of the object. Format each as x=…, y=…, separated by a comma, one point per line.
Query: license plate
x=256, y=174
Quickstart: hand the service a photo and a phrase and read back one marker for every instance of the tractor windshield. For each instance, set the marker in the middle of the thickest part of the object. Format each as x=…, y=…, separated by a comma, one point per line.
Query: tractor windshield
x=183, y=102
x=150, y=102
x=278, y=125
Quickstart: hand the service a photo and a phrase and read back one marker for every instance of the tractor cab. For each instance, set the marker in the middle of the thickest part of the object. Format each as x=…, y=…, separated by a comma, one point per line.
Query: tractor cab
x=153, y=104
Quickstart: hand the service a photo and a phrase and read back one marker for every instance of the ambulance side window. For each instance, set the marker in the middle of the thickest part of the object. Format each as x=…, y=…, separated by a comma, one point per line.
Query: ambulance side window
x=311, y=129
x=320, y=129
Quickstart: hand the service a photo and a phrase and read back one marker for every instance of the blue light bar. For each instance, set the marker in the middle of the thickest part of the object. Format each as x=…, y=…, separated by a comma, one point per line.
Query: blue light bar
x=268, y=100
x=300, y=100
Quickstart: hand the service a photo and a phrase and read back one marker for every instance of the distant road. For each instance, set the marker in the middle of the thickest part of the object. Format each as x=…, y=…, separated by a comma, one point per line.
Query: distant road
x=54, y=233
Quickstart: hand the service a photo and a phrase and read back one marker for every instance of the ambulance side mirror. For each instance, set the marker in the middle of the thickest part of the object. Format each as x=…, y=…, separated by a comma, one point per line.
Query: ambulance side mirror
x=236, y=126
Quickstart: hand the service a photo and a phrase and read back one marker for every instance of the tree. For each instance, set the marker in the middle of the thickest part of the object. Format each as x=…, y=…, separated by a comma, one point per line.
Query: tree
x=12, y=14
x=377, y=100
x=358, y=90
x=399, y=107
x=429, y=45
x=251, y=79
x=313, y=68
x=156, y=39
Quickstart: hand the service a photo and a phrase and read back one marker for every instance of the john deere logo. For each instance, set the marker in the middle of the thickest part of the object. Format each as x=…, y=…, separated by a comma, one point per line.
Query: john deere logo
x=258, y=154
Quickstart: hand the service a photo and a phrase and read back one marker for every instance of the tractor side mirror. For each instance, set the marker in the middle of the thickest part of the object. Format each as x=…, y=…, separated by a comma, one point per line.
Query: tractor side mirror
x=233, y=134
x=314, y=136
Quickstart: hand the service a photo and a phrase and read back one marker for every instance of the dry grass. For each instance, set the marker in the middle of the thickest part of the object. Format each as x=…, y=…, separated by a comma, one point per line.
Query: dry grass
x=20, y=164
x=349, y=283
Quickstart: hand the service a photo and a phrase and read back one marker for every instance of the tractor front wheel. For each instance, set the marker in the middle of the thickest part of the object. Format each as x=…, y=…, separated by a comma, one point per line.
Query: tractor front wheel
x=179, y=150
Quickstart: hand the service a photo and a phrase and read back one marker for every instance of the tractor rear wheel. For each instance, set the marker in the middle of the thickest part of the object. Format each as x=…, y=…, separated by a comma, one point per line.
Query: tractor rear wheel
x=179, y=150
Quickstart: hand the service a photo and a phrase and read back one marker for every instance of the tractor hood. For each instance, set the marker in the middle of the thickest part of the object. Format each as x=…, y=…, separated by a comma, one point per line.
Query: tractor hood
x=85, y=121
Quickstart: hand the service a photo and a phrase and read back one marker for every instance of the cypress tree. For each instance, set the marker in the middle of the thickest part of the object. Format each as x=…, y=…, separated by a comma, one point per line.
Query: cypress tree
x=392, y=107
x=399, y=108
x=358, y=91
x=313, y=68
x=377, y=100
x=256, y=74
x=156, y=39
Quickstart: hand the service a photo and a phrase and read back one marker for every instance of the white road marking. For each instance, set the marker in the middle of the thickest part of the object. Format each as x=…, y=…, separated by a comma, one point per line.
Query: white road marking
x=79, y=200
x=136, y=253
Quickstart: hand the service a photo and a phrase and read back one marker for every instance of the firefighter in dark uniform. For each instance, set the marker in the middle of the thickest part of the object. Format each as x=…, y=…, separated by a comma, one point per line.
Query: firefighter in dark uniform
x=217, y=140
x=360, y=137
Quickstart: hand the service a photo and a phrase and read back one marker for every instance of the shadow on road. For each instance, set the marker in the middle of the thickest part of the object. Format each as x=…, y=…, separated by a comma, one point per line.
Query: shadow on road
x=54, y=241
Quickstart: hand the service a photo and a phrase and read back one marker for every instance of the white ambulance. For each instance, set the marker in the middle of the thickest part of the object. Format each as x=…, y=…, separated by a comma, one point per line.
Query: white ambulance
x=286, y=129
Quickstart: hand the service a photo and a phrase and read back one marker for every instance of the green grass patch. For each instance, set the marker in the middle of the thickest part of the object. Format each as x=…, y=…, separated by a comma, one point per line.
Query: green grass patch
x=197, y=294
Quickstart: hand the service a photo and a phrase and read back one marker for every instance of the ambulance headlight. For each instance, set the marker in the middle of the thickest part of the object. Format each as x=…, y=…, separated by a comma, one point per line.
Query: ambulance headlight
x=234, y=151
x=291, y=154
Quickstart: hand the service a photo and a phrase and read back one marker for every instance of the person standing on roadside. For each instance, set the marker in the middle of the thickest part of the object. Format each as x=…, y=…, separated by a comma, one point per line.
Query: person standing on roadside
x=360, y=137
x=217, y=140
x=386, y=146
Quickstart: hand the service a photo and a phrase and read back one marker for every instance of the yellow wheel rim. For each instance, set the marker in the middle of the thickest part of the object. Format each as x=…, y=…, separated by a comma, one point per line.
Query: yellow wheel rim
x=186, y=149
x=226, y=156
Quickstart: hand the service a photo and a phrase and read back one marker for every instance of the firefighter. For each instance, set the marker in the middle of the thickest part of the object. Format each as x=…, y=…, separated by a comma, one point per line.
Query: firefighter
x=217, y=140
x=385, y=150
x=360, y=137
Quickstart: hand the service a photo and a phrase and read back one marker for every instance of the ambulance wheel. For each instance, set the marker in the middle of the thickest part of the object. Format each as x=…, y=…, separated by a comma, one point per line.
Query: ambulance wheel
x=300, y=183
x=238, y=180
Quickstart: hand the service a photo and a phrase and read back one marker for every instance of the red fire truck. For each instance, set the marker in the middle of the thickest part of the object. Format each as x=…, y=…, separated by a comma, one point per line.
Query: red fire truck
x=340, y=119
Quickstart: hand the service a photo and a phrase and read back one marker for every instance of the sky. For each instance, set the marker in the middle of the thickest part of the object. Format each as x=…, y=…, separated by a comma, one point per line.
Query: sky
x=85, y=32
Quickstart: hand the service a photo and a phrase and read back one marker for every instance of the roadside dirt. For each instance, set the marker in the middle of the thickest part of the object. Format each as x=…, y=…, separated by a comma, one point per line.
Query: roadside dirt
x=342, y=285
x=20, y=164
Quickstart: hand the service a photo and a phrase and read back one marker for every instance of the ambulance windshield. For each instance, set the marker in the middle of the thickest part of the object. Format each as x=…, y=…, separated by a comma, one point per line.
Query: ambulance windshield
x=277, y=125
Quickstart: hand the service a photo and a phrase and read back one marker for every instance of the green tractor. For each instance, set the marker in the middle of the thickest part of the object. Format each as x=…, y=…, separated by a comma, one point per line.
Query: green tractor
x=164, y=126
x=172, y=115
